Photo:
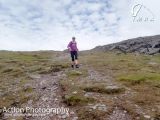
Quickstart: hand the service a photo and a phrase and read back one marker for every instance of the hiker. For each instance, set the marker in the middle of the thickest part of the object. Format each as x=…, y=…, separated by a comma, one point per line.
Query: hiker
x=72, y=47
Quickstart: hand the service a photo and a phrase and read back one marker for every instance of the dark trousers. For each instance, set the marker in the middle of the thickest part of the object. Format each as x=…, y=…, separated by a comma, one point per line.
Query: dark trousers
x=74, y=55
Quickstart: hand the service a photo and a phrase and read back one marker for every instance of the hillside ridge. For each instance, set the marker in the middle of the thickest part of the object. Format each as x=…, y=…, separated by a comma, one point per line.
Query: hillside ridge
x=147, y=45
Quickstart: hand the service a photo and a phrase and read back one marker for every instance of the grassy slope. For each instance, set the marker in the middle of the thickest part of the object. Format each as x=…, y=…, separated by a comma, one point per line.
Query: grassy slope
x=140, y=73
x=16, y=69
x=129, y=67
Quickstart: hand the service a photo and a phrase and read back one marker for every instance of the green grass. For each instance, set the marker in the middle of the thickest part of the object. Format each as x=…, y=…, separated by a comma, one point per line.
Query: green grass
x=15, y=71
x=125, y=64
x=74, y=73
x=73, y=93
x=138, y=78
x=81, y=72
x=76, y=100
x=16, y=98
x=138, y=72
x=85, y=114
x=102, y=89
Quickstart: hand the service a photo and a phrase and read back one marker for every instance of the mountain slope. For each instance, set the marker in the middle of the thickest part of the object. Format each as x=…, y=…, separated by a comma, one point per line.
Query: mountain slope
x=146, y=45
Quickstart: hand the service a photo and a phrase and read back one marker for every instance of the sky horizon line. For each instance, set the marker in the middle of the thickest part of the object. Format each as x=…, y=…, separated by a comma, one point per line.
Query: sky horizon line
x=80, y=50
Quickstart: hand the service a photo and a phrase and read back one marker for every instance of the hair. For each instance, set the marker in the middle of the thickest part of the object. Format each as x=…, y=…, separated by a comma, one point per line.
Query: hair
x=73, y=38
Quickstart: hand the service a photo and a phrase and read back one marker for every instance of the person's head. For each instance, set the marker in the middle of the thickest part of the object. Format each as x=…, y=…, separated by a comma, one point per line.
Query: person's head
x=73, y=38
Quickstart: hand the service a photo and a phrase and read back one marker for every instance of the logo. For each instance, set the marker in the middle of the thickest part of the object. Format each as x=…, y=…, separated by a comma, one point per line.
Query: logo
x=141, y=13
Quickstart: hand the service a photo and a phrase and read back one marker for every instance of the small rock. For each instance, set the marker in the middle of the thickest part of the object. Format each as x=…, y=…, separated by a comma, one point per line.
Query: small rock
x=87, y=94
x=72, y=83
x=112, y=87
x=101, y=107
x=35, y=76
x=115, y=97
x=147, y=116
x=153, y=110
x=75, y=92
x=94, y=107
x=125, y=111
x=90, y=104
x=44, y=99
x=72, y=113
x=64, y=116
x=75, y=118
x=55, y=99
x=90, y=109
x=48, y=88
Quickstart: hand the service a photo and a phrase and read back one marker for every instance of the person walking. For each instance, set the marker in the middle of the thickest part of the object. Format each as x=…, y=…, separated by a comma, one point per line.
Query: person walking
x=72, y=47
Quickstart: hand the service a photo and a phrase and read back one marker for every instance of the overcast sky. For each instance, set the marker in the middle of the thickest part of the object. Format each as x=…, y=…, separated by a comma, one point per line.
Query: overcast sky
x=50, y=24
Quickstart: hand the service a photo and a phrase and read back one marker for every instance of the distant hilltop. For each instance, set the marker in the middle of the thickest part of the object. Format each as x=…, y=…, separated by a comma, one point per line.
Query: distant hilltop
x=147, y=45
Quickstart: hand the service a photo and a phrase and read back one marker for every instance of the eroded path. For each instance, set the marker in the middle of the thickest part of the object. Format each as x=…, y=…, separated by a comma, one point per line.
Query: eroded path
x=49, y=92
x=48, y=88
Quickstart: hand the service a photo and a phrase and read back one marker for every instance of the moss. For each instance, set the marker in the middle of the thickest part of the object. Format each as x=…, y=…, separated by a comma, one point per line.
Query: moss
x=52, y=68
x=85, y=114
x=74, y=73
x=76, y=100
x=28, y=90
x=14, y=71
x=7, y=70
x=101, y=89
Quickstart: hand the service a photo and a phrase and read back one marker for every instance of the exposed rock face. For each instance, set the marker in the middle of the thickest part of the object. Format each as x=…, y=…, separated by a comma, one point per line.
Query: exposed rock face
x=147, y=45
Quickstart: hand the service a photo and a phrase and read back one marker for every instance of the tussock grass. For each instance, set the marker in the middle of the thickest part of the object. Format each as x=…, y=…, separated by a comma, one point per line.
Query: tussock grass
x=139, y=78
x=52, y=68
x=72, y=89
x=138, y=72
x=74, y=73
x=85, y=114
x=135, y=72
x=102, y=89
x=76, y=100
x=15, y=70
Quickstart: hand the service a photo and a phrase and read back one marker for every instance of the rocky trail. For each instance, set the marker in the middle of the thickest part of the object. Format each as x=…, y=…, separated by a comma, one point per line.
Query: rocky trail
x=48, y=89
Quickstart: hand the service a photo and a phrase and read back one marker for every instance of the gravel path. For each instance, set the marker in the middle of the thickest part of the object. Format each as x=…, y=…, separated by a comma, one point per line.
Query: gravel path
x=119, y=114
x=49, y=90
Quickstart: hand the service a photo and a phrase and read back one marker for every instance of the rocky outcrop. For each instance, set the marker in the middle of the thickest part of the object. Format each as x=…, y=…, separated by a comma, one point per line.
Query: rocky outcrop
x=147, y=45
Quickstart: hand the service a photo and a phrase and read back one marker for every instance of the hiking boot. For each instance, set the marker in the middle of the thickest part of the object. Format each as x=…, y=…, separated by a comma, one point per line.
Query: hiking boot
x=72, y=66
x=77, y=66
